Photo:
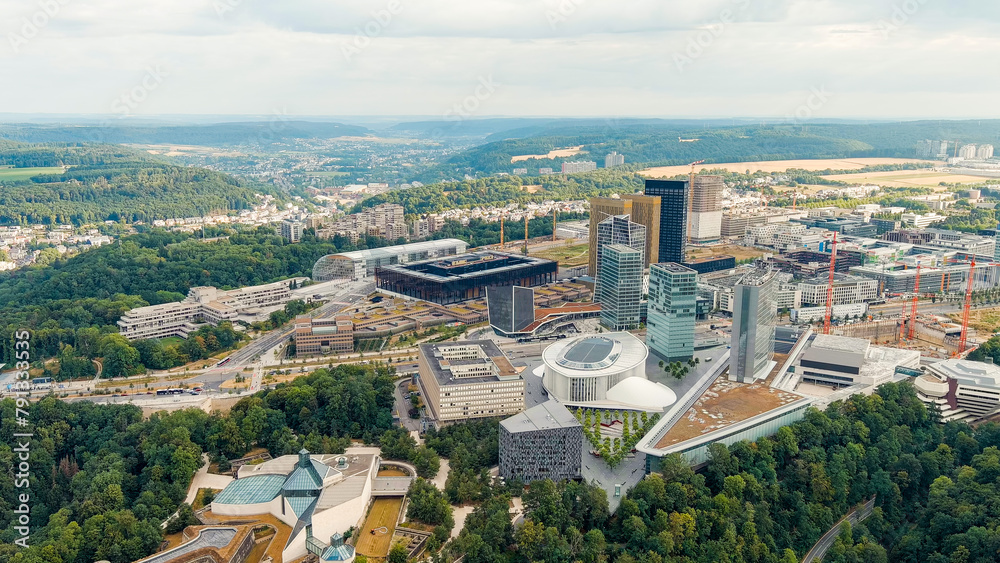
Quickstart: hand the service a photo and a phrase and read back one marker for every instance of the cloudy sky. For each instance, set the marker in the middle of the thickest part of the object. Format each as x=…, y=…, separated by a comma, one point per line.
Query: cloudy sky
x=664, y=58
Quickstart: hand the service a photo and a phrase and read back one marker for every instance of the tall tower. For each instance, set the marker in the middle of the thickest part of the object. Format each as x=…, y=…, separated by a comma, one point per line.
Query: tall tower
x=755, y=313
x=640, y=209
x=706, y=209
x=673, y=196
x=619, y=288
x=672, y=309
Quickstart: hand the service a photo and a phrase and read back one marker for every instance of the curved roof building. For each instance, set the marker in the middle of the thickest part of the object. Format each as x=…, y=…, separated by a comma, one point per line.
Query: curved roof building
x=361, y=264
x=603, y=371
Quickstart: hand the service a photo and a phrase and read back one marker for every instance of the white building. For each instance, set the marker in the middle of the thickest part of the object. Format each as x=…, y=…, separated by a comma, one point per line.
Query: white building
x=614, y=159
x=967, y=152
x=984, y=152
x=921, y=220
x=846, y=289
x=603, y=371
x=806, y=315
x=961, y=389
x=202, y=305
x=473, y=379
x=840, y=361
x=292, y=230
x=361, y=264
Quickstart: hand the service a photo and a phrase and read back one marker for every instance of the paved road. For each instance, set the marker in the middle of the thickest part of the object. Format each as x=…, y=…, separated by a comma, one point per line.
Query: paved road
x=826, y=542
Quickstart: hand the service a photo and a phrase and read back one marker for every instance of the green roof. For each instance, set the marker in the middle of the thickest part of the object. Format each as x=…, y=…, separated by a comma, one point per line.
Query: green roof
x=251, y=490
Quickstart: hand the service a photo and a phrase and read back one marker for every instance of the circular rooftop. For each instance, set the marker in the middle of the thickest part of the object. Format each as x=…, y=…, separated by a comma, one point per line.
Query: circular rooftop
x=593, y=352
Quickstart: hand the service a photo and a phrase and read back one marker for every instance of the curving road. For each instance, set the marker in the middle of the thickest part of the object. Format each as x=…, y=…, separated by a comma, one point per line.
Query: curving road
x=826, y=542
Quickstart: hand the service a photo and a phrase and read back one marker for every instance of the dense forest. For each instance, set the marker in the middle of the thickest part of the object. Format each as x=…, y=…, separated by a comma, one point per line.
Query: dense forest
x=935, y=486
x=103, y=479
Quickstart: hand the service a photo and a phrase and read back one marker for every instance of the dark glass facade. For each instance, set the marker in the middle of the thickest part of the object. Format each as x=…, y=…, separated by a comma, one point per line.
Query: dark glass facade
x=673, y=196
x=511, y=308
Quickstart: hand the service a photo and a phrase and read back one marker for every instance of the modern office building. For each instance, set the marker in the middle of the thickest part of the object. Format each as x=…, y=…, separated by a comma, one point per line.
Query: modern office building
x=673, y=196
x=672, y=310
x=618, y=229
x=755, y=313
x=614, y=159
x=202, y=305
x=706, y=209
x=962, y=389
x=361, y=264
x=471, y=379
x=846, y=289
x=292, y=230
x=641, y=209
x=543, y=442
x=710, y=264
x=839, y=361
x=464, y=277
x=900, y=278
x=603, y=371
x=578, y=166
x=619, y=287
x=323, y=336
x=511, y=309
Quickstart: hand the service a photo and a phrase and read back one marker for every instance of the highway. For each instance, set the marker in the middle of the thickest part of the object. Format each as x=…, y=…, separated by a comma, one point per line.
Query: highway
x=826, y=542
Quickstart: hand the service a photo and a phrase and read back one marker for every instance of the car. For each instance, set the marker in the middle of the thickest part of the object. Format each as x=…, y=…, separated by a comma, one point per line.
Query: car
x=708, y=359
x=195, y=393
x=199, y=389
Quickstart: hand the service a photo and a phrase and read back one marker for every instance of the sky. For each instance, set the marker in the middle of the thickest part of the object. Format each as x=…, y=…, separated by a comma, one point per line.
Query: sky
x=460, y=59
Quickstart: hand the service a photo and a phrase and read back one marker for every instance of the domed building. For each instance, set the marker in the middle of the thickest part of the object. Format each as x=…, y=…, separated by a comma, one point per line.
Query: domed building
x=603, y=371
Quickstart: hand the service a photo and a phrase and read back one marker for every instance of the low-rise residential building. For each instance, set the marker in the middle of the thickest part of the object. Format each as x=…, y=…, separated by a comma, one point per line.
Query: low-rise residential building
x=469, y=379
x=543, y=442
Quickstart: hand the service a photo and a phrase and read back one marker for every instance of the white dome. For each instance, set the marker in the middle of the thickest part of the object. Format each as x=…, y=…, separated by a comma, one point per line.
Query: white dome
x=642, y=393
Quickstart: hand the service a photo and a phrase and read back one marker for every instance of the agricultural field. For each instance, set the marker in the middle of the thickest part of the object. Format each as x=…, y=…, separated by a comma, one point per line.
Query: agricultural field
x=11, y=174
x=568, y=256
x=779, y=166
x=558, y=153
x=382, y=521
x=908, y=179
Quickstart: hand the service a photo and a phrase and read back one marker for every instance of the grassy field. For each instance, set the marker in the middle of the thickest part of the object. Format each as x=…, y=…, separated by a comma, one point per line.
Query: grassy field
x=14, y=174
x=779, y=166
x=985, y=321
x=740, y=252
x=558, y=153
x=382, y=515
x=567, y=256
x=908, y=179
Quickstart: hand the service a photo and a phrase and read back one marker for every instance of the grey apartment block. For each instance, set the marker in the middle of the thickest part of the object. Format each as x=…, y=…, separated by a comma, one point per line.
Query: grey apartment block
x=544, y=442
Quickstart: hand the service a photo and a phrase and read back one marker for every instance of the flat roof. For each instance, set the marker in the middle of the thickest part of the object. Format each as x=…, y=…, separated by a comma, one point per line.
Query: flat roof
x=396, y=250
x=434, y=353
x=504, y=262
x=546, y=416
x=841, y=343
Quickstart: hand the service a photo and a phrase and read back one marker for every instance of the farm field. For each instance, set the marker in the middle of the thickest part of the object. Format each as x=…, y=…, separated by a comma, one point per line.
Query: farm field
x=908, y=179
x=780, y=166
x=16, y=174
x=382, y=515
x=552, y=154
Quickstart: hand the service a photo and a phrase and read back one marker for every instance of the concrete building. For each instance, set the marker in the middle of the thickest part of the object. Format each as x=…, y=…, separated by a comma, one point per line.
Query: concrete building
x=706, y=209
x=543, y=442
x=967, y=152
x=361, y=264
x=209, y=544
x=323, y=336
x=805, y=315
x=921, y=220
x=984, y=152
x=292, y=230
x=614, y=159
x=203, y=305
x=470, y=379
x=839, y=361
x=387, y=221
x=618, y=229
x=962, y=389
x=511, y=309
x=672, y=310
x=619, y=287
x=673, y=196
x=578, y=166
x=901, y=278
x=846, y=289
x=644, y=210
x=736, y=224
x=603, y=371
x=755, y=312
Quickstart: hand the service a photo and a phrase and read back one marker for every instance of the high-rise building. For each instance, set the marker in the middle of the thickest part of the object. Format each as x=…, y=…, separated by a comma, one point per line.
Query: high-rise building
x=614, y=159
x=754, y=315
x=984, y=152
x=619, y=287
x=673, y=196
x=672, y=310
x=619, y=229
x=510, y=308
x=579, y=166
x=292, y=230
x=942, y=149
x=968, y=152
x=706, y=209
x=641, y=209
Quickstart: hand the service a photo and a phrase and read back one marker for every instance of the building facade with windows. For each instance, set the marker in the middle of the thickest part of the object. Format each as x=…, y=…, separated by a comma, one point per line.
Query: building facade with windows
x=361, y=264
x=543, y=442
x=674, y=197
x=641, y=209
x=470, y=379
x=672, y=309
x=619, y=287
x=323, y=336
x=755, y=313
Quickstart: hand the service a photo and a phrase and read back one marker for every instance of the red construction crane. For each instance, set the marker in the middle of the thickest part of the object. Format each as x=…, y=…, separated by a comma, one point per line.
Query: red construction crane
x=965, y=310
x=902, y=324
x=829, y=288
x=913, y=311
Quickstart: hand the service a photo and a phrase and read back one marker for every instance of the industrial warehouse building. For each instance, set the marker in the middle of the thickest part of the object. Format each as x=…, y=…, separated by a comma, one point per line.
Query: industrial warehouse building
x=361, y=264
x=544, y=442
x=464, y=277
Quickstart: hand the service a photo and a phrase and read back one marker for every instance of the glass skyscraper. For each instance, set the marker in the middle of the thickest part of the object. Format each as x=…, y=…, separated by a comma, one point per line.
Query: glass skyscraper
x=619, y=288
x=673, y=196
x=755, y=314
x=672, y=308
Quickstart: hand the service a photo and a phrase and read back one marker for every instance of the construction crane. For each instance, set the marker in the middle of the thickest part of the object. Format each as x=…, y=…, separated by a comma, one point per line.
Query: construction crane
x=527, y=216
x=829, y=288
x=913, y=311
x=555, y=212
x=691, y=198
x=501, y=232
x=965, y=310
x=795, y=199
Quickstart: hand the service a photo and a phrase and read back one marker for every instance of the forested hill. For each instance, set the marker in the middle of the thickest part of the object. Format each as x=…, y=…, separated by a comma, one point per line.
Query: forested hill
x=128, y=190
x=25, y=155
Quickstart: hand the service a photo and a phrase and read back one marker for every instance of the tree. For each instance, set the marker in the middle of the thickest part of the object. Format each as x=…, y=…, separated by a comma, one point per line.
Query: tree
x=398, y=554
